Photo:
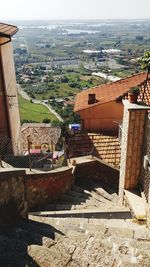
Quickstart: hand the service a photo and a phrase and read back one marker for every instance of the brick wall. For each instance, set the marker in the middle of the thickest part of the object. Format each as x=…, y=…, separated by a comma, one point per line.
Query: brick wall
x=46, y=187
x=13, y=205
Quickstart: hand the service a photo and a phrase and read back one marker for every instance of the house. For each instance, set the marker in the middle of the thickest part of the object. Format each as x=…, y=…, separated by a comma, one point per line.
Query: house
x=68, y=103
x=101, y=111
x=101, y=108
x=42, y=136
x=9, y=112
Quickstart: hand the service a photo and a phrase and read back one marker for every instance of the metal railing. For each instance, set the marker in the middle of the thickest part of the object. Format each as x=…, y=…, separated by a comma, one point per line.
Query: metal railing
x=43, y=161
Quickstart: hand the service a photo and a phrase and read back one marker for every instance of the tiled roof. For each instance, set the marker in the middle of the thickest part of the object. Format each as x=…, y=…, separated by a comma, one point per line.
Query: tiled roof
x=145, y=93
x=39, y=134
x=104, y=147
x=7, y=30
x=35, y=125
x=107, y=92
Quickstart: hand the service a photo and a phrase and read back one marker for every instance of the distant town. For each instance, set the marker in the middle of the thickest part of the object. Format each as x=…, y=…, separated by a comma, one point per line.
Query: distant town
x=57, y=59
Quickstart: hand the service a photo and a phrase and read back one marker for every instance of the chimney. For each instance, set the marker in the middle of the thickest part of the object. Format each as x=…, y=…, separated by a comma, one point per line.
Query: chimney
x=91, y=99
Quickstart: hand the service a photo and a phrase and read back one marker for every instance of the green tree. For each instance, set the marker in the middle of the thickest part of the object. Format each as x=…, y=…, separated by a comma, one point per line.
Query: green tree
x=46, y=120
x=145, y=64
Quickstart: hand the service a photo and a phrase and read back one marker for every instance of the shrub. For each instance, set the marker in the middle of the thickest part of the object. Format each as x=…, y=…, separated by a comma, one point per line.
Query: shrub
x=46, y=120
x=134, y=90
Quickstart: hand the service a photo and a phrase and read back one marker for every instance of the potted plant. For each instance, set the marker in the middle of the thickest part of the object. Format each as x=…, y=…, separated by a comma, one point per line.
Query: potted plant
x=133, y=94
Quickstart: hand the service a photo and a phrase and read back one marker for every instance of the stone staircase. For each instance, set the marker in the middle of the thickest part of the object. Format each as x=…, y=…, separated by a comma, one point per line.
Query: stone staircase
x=80, y=242
x=88, y=200
x=96, y=240
x=43, y=241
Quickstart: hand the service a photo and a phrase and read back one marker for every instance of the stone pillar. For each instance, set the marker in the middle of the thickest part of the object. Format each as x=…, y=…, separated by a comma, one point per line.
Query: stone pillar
x=131, y=145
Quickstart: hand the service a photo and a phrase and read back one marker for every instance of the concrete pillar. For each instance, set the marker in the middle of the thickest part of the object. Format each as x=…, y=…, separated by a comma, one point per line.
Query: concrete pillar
x=131, y=145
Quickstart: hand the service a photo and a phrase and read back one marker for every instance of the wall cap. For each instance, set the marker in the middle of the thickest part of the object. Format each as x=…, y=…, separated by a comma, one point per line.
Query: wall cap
x=131, y=106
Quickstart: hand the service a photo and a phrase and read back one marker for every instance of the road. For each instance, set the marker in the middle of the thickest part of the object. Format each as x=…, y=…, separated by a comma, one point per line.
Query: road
x=27, y=97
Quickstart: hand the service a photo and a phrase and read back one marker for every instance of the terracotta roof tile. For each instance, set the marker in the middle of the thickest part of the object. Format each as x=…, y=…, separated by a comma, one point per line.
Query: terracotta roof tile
x=7, y=30
x=39, y=134
x=144, y=94
x=106, y=147
x=108, y=92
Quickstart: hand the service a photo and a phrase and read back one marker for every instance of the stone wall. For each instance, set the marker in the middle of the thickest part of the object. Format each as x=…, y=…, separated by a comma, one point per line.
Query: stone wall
x=145, y=174
x=46, y=187
x=95, y=170
x=13, y=204
x=131, y=146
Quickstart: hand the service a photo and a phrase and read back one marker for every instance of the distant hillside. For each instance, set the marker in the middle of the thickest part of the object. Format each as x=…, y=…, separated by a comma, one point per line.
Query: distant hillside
x=34, y=112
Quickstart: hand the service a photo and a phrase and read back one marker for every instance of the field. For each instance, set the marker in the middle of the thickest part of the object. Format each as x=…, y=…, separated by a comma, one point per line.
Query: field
x=33, y=112
x=61, y=86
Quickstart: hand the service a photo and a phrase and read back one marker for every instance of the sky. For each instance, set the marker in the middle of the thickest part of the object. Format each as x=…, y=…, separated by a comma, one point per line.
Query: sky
x=74, y=9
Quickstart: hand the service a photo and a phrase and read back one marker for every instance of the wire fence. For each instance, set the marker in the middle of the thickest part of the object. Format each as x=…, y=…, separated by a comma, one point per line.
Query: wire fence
x=43, y=160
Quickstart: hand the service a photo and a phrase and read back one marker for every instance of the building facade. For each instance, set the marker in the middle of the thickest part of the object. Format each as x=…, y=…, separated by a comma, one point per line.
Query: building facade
x=9, y=110
x=101, y=108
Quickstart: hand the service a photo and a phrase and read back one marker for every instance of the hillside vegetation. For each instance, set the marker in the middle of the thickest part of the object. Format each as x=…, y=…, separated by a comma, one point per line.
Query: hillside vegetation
x=34, y=112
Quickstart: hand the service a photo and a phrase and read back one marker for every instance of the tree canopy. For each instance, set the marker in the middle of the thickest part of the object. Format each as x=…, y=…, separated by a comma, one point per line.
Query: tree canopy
x=145, y=62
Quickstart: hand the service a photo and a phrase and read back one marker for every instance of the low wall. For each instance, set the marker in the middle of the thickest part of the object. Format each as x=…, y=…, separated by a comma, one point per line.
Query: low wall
x=43, y=188
x=13, y=205
x=97, y=171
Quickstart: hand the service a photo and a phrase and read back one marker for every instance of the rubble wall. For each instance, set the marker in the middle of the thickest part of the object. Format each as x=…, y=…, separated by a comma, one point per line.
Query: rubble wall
x=97, y=171
x=46, y=187
x=13, y=205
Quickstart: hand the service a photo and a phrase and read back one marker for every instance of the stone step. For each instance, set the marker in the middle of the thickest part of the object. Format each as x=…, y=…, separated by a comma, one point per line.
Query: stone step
x=80, y=190
x=73, y=226
x=77, y=194
x=137, y=204
x=100, y=191
x=115, y=213
x=72, y=199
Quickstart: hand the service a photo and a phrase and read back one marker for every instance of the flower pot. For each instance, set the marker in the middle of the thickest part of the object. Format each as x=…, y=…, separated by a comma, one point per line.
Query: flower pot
x=132, y=97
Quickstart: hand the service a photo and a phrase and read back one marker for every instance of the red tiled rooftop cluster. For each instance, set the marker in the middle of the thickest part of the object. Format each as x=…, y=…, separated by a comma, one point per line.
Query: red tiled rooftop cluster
x=108, y=92
x=7, y=30
x=104, y=147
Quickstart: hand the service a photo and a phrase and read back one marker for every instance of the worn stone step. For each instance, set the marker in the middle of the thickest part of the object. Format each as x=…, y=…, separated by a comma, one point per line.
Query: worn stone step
x=71, y=199
x=77, y=194
x=123, y=213
x=114, y=227
x=80, y=190
x=101, y=199
x=137, y=204
x=100, y=191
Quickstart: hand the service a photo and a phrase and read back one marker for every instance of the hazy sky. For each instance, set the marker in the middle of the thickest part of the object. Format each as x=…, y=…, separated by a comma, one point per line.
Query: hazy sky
x=74, y=9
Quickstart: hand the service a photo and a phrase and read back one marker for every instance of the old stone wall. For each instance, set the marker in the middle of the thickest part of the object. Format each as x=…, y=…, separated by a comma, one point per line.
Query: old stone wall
x=131, y=146
x=145, y=174
x=97, y=171
x=13, y=205
x=46, y=187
